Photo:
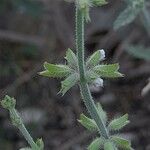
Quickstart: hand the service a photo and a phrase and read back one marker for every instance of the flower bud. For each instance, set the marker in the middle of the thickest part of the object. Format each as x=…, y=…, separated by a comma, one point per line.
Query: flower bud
x=102, y=54
x=98, y=82
x=8, y=102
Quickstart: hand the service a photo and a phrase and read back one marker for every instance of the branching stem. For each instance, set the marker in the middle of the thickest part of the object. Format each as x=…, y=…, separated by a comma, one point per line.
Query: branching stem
x=88, y=100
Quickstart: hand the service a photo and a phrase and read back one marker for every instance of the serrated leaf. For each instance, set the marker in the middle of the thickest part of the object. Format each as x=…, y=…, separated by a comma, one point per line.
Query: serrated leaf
x=95, y=58
x=102, y=113
x=126, y=17
x=88, y=123
x=96, y=144
x=119, y=123
x=139, y=51
x=108, y=71
x=52, y=70
x=121, y=142
x=71, y=59
x=69, y=82
x=109, y=146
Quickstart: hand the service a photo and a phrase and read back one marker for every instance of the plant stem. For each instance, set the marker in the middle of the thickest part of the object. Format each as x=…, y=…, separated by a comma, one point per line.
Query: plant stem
x=23, y=130
x=88, y=100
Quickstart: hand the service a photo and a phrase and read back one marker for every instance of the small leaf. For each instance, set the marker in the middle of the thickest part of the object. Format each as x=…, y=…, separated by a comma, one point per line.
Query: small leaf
x=95, y=58
x=55, y=70
x=96, y=144
x=91, y=76
x=109, y=146
x=40, y=144
x=102, y=113
x=69, y=82
x=88, y=123
x=139, y=51
x=109, y=71
x=99, y=2
x=119, y=123
x=71, y=59
x=121, y=142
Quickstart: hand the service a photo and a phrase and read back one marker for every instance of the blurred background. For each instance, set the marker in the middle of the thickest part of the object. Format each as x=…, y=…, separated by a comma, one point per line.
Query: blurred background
x=34, y=31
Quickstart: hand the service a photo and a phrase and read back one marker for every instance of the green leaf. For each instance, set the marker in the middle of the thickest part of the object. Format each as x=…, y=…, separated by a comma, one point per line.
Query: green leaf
x=96, y=144
x=139, y=51
x=109, y=146
x=121, y=142
x=102, y=113
x=91, y=76
x=107, y=71
x=95, y=58
x=40, y=144
x=56, y=70
x=99, y=2
x=129, y=14
x=118, y=123
x=69, y=82
x=88, y=123
x=71, y=59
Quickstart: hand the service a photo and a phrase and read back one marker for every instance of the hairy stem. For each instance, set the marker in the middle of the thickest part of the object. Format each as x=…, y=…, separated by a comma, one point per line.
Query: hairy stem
x=88, y=100
x=23, y=130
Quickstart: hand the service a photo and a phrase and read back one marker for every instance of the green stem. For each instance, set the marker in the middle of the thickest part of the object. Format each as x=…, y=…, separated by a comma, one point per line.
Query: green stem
x=23, y=129
x=88, y=100
x=80, y=43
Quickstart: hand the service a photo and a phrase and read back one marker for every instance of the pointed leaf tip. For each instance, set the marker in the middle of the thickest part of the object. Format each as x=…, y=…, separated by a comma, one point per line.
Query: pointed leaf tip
x=108, y=71
x=95, y=58
x=52, y=70
x=71, y=59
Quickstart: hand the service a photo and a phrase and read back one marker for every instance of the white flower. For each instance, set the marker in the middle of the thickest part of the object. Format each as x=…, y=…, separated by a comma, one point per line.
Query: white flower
x=102, y=54
x=98, y=82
